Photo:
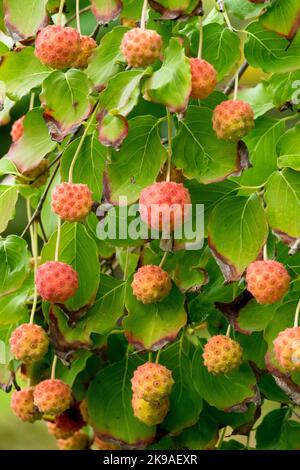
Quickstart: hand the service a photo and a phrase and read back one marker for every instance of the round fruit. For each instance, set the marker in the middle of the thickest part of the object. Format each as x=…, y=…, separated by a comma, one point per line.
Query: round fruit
x=36, y=177
x=141, y=47
x=204, y=78
x=164, y=205
x=23, y=406
x=57, y=46
x=72, y=202
x=79, y=441
x=268, y=281
x=150, y=413
x=151, y=284
x=56, y=282
x=53, y=397
x=17, y=129
x=152, y=381
x=87, y=45
x=222, y=354
x=66, y=424
x=29, y=343
x=287, y=349
x=232, y=120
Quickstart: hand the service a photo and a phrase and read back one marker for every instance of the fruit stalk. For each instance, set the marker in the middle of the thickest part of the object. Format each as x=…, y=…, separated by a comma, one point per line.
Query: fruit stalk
x=78, y=16
x=200, y=38
x=296, y=320
x=169, y=118
x=60, y=12
x=144, y=14
x=35, y=257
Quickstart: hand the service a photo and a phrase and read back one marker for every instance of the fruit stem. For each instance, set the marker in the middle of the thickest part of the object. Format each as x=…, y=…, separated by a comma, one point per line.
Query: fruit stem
x=265, y=252
x=228, y=331
x=221, y=438
x=56, y=256
x=169, y=117
x=31, y=101
x=126, y=265
x=53, y=368
x=226, y=18
x=60, y=12
x=296, y=321
x=163, y=259
x=150, y=356
x=157, y=356
x=200, y=38
x=89, y=122
x=78, y=16
x=236, y=86
x=144, y=14
x=35, y=257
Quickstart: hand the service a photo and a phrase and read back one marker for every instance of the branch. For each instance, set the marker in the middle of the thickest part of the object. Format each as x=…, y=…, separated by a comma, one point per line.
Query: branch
x=83, y=10
x=230, y=87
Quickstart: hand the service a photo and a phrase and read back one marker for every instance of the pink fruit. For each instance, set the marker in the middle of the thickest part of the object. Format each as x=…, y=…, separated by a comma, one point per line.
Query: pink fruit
x=29, y=343
x=222, y=354
x=232, y=120
x=57, y=46
x=268, y=281
x=204, y=78
x=72, y=202
x=151, y=284
x=56, y=282
x=141, y=47
x=52, y=397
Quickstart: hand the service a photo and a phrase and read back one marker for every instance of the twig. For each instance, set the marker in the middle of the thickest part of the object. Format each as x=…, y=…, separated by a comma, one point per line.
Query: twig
x=230, y=87
x=43, y=230
x=73, y=17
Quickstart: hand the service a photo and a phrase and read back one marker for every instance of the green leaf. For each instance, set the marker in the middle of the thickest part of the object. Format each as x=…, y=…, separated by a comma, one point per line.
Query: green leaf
x=7, y=167
x=288, y=149
x=89, y=165
x=106, y=11
x=122, y=92
x=110, y=410
x=151, y=326
x=21, y=71
x=202, y=436
x=104, y=63
x=113, y=129
x=171, y=9
x=283, y=204
x=171, y=84
x=132, y=9
x=238, y=240
x=35, y=143
x=254, y=316
x=67, y=337
x=277, y=432
x=186, y=403
x=198, y=151
x=259, y=98
x=108, y=307
x=79, y=250
x=261, y=144
x=245, y=9
x=65, y=97
x=221, y=48
x=79, y=363
x=5, y=113
x=223, y=391
x=284, y=87
x=13, y=307
x=284, y=21
x=25, y=19
x=14, y=263
x=8, y=200
x=49, y=219
x=138, y=162
x=271, y=52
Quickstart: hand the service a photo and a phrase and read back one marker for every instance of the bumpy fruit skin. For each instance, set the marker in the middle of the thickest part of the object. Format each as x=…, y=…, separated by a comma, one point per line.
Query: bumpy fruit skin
x=87, y=45
x=23, y=406
x=232, y=120
x=141, y=47
x=57, y=46
x=150, y=413
x=268, y=281
x=36, y=177
x=17, y=129
x=29, y=343
x=79, y=441
x=151, y=284
x=287, y=349
x=152, y=381
x=204, y=78
x=56, y=282
x=162, y=204
x=72, y=201
x=66, y=424
x=52, y=397
x=222, y=354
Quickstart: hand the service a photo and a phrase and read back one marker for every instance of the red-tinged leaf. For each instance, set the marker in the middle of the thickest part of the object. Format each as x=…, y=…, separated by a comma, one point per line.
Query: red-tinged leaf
x=106, y=10
x=113, y=129
x=174, y=9
x=23, y=19
x=283, y=20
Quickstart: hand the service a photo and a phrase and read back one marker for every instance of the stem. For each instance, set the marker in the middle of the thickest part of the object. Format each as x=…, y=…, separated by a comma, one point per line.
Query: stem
x=57, y=239
x=60, y=12
x=81, y=143
x=221, y=438
x=200, y=38
x=31, y=101
x=144, y=14
x=168, y=177
x=226, y=17
x=35, y=256
x=265, y=252
x=83, y=10
x=150, y=356
x=28, y=208
x=78, y=16
x=236, y=86
x=53, y=367
x=296, y=321
x=158, y=356
x=126, y=265
x=228, y=331
x=163, y=259
x=228, y=89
